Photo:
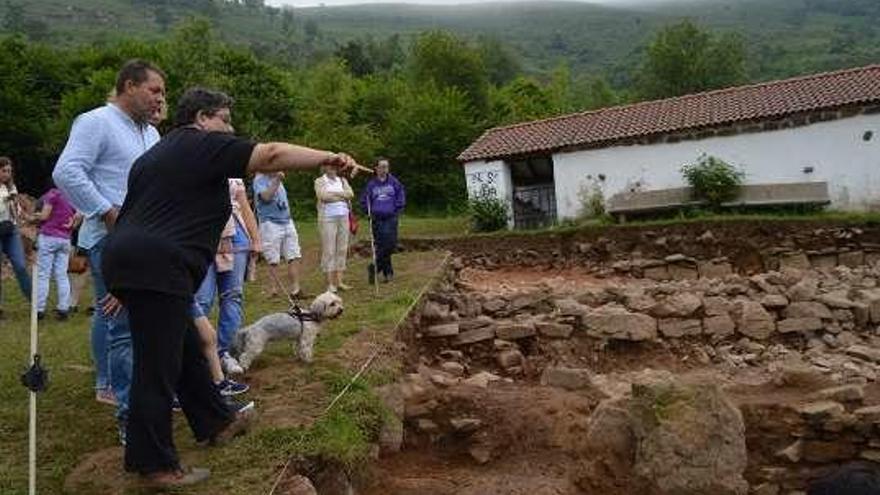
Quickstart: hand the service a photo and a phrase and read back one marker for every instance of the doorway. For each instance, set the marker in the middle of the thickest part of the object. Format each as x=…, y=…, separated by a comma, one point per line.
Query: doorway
x=534, y=192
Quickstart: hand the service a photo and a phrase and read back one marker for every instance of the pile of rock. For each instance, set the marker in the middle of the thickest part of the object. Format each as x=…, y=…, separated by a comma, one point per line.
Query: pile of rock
x=741, y=321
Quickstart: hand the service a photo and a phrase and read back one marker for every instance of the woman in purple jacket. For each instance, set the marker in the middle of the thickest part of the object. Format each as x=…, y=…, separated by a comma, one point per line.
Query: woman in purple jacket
x=384, y=199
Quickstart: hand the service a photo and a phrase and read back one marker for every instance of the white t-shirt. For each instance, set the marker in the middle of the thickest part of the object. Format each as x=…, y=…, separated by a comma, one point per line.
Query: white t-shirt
x=6, y=204
x=336, y=208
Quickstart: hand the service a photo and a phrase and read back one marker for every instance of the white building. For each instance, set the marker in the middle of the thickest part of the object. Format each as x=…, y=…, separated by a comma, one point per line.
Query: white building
x=818, y=128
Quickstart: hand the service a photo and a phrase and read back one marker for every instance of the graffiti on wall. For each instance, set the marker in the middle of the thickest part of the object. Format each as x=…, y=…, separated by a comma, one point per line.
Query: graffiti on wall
x=484, y=184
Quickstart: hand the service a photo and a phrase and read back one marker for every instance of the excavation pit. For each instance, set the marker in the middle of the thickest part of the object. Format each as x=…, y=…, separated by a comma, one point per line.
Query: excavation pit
x=618, y=375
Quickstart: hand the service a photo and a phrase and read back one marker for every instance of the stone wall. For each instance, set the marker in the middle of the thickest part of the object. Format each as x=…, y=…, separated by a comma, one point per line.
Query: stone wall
x=831, y=427
x=746, y=247
x=734, y=320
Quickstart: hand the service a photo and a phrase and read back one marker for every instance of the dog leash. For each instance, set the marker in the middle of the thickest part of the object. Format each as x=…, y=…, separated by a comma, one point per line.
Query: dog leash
x=294, y=302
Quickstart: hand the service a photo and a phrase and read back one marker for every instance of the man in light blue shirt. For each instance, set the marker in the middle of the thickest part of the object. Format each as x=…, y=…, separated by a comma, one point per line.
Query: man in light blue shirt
x=277, y=230
x=92, y=171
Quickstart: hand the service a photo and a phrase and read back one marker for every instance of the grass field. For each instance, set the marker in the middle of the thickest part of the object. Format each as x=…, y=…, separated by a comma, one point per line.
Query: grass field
x=290, y=396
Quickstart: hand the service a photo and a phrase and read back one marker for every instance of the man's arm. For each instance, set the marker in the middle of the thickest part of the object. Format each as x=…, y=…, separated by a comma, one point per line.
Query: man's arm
x=268, y=193
x=77, y=159
x=250, y=221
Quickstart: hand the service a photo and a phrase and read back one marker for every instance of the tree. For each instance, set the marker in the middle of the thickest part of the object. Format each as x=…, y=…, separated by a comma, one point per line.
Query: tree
x=441, y=59
x=427, y=129
x=387, y=54
x=684, y=59
x=312, y=30
x=375, y=98
x=287, y=20
x=521, y=100
x=501, y=65
x=356, y=57
x=328, y=100
x=33, y=78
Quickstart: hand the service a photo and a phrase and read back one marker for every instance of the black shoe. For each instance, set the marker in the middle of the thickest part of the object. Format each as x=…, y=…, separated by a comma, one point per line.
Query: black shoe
x=61, y=315
x=90, y=310
x=389, y=277
x=41, y=315
x=371, y=274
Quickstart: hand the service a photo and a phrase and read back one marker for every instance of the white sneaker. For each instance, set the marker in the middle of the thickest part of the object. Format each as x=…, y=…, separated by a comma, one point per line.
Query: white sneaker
x=229, y=365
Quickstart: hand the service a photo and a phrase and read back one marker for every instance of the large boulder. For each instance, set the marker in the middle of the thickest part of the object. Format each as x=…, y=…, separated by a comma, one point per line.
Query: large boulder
x=613, y=321
x=665, y=439
x=690, y=440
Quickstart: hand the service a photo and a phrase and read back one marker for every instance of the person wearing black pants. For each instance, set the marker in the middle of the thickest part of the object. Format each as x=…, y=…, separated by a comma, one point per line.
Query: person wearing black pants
x=384, y=199
x=385, y=234
x=156, y=256
x=170, y=362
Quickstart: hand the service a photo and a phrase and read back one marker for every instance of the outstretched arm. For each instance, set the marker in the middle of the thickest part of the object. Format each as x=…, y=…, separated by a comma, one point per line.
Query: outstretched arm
x=274, y=157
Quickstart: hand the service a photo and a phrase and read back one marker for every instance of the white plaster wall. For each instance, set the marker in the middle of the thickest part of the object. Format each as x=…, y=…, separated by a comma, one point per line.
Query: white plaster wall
x=834, y=149
x=492, y=178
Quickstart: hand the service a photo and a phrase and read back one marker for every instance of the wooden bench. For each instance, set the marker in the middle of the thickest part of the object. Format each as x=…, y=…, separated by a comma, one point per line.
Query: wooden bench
x=784, y=194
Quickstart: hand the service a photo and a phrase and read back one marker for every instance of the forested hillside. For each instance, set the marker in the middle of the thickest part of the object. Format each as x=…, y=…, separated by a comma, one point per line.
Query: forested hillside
x=783, y=37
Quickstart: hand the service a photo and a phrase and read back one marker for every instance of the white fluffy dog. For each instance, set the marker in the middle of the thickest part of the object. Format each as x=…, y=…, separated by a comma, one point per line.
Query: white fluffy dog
x=303, y=326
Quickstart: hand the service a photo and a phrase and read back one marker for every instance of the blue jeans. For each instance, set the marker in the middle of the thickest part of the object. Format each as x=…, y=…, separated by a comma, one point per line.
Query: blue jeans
x=229, y=286
x=11, y=246
x=52, y=258
x=111, y=340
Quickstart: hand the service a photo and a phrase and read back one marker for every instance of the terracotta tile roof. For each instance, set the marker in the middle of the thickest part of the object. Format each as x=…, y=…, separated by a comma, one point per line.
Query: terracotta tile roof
x=711, y=109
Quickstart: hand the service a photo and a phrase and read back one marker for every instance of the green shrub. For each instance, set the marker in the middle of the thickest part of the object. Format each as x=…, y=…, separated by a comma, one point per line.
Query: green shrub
x=592, y=200
x=713, y=180
x=488, y=213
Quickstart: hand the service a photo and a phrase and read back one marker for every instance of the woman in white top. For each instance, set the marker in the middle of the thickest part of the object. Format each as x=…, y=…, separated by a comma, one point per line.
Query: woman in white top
x=334, y=204
x=10, y=239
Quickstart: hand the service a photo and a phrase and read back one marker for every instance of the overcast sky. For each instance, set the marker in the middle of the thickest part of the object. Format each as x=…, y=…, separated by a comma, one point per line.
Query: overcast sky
x=313, y=3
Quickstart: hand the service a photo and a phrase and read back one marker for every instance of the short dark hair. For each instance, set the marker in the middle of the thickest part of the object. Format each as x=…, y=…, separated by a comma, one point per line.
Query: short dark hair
x=136, y=71
x=382, y=159
x=5, y=161
x=197, y=100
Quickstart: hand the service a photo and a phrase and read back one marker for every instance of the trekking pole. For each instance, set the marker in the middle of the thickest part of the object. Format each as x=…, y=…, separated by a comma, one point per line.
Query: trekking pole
x=35, y=380
x=373, y=245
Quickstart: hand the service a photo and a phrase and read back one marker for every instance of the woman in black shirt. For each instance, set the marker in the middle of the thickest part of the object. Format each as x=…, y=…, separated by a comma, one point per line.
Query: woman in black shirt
x=154, y=260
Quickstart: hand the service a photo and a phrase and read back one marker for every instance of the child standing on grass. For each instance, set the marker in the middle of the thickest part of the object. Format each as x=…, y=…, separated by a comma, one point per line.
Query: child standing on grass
x=53, y=250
